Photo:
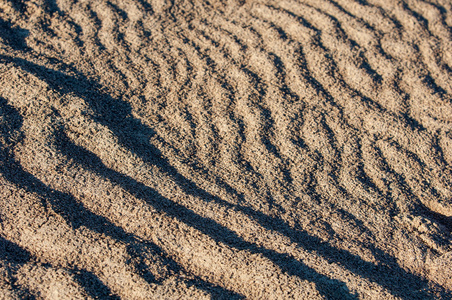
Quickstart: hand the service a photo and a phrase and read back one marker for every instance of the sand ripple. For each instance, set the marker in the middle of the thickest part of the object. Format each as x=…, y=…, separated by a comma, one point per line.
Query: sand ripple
x=226, y=149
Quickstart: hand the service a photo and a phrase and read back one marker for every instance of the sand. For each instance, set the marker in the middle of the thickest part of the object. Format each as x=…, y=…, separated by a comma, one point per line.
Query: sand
x=225, y=149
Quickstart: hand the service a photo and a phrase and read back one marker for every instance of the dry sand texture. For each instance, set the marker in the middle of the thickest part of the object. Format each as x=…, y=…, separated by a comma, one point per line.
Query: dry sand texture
x=226, y=149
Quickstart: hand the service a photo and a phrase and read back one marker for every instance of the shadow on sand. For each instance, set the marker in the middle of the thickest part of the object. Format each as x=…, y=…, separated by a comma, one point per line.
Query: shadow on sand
x=116, y=115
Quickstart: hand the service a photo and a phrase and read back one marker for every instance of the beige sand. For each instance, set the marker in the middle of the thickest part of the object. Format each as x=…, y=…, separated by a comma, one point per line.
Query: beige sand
x=226, y=149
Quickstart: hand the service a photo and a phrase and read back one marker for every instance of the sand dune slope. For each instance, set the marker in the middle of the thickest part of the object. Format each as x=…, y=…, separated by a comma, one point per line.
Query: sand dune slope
x=294, y=149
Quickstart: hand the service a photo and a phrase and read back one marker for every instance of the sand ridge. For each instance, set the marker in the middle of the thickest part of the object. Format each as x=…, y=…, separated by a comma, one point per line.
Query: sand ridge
x=295, y=149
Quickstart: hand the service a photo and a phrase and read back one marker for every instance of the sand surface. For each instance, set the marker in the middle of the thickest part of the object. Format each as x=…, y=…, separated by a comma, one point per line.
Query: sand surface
x=225, y=149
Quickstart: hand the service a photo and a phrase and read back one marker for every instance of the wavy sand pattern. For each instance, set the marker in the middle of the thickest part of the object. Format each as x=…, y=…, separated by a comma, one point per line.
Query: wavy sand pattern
x=226, y=149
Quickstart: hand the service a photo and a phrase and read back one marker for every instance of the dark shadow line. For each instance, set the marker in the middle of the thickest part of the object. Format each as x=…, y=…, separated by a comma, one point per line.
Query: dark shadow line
x=147, y=7
x=19, y=6
x=92, y=285
x=13, y=36
x=118, y=11
x=419, y=18
x=52, y=6
x=430, y=82
x=215, y=291
x=10, y=251
x=16, y=256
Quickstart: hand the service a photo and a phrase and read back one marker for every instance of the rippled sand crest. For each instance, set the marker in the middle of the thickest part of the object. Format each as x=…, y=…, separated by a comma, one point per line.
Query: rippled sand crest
x=226, y=149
